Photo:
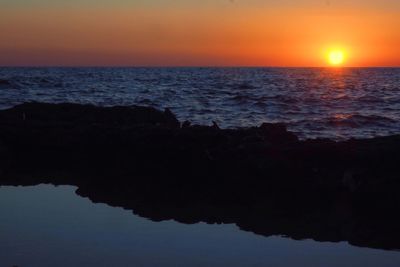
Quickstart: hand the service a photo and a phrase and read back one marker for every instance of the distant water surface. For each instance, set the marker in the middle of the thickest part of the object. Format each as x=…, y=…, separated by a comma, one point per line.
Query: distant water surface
x=47, y=226
x=313, y=102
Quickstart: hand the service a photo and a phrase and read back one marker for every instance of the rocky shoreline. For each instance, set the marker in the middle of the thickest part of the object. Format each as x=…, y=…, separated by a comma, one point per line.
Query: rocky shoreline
x=263, y=178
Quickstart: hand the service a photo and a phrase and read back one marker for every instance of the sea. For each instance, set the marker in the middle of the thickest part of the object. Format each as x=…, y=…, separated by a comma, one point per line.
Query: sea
x=336, y=103
x=45, y=225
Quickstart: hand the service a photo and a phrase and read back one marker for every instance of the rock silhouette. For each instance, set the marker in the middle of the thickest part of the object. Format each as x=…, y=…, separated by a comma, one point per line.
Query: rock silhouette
x=264, y=178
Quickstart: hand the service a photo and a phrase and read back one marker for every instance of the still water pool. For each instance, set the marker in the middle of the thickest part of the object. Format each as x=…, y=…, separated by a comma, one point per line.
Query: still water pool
x=44, y=225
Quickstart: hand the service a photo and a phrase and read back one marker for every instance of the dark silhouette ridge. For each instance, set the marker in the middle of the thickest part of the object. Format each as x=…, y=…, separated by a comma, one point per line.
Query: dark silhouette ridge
x=263, y=178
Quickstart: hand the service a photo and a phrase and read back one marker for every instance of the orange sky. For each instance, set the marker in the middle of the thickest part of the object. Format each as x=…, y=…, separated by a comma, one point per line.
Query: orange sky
x=219, y=33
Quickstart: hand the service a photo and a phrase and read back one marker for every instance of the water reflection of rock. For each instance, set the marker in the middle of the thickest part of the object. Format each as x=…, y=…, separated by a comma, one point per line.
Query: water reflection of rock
x=263, y=178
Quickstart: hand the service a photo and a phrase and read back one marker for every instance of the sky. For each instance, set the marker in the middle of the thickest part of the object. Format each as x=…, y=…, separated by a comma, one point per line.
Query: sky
x=285, y=33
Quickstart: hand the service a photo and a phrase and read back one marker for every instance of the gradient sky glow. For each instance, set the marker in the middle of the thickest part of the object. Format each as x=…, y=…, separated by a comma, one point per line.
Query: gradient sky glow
x=198, y=33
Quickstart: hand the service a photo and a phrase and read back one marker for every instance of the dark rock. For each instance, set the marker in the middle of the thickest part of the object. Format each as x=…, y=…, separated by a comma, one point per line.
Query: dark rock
x=170, y=117
x=215, y=125
x=88, y=114
x=186, y=124
x=277, y=132
x=264, y=178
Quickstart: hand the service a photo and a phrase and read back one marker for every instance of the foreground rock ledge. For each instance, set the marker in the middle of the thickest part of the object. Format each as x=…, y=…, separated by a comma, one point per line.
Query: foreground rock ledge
x=264, y=178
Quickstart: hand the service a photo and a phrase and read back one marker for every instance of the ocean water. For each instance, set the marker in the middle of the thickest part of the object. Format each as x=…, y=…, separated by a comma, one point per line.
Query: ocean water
x=314, y=102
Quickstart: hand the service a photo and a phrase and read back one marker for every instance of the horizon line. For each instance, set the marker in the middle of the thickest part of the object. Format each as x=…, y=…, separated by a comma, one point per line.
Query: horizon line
x=191, y=66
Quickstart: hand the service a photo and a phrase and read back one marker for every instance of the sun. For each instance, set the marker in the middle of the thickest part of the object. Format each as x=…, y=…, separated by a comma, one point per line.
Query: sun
x=336, y=57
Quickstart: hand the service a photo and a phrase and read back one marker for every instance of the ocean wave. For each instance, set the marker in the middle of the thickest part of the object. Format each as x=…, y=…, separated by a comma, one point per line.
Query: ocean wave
x=348, y=120
x=7, y=84
x=370, y=99
x=4, y=82
x=244, y=86
x=145, y=101
x=244, y=97
x=146, y=80
x=260, y=104
x=358, y=120
x=31, y=82
x=278, y=99
x=240, y=98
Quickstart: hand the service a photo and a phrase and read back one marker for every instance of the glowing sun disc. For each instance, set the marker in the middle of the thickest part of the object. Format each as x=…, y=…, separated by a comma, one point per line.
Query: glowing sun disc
x=336, y=57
